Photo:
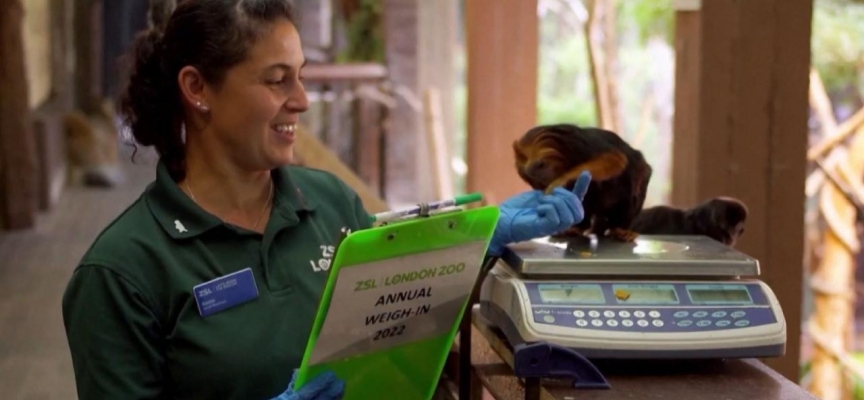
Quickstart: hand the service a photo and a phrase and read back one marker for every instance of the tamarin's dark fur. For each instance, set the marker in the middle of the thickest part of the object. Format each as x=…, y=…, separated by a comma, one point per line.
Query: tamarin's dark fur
x=720, y=218
x=549, y=156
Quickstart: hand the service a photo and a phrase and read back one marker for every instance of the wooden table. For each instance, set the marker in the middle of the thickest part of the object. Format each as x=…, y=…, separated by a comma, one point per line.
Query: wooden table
x=704, y=380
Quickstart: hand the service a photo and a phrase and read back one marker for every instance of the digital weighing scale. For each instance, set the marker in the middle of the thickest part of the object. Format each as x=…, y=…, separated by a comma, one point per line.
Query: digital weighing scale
x=662, y=297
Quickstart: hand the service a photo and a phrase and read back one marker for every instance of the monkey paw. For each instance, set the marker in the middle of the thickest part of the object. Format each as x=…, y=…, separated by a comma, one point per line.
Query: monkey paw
x=622, y=235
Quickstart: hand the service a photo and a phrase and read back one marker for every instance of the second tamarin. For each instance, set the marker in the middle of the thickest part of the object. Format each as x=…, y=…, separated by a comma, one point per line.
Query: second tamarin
x=548, y=156
x=720, y=218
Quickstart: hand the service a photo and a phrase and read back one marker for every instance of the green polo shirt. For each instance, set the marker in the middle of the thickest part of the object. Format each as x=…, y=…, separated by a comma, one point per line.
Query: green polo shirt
x=132, y=320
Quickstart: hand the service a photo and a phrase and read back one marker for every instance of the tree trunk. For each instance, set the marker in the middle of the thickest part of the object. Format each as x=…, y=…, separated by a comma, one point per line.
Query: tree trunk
x=834, y=302
x=600, y=41
x=610, y=53
x=18, y=167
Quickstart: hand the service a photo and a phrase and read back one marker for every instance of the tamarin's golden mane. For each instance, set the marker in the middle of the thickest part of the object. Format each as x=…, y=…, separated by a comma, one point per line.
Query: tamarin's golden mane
x=538, y=144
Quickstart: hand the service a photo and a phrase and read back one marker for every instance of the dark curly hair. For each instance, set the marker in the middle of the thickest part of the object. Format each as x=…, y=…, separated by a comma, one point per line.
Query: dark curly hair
x=212, y=36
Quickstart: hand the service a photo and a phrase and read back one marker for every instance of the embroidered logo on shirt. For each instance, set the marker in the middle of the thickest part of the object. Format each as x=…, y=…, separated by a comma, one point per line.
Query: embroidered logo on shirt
x=323, y=263
x=179, y=226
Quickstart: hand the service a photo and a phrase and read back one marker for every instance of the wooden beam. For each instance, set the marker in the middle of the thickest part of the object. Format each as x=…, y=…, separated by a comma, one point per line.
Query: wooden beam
x=18, y=167
x=502, y=66
x=357, y=72
x=741, y=130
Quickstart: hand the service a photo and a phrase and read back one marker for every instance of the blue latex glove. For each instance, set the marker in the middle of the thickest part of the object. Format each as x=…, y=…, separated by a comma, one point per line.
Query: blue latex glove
x=530, y=215
x=326, y=386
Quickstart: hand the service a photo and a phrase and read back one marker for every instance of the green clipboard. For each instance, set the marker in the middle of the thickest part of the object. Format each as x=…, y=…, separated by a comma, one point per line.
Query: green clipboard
x=393, y=303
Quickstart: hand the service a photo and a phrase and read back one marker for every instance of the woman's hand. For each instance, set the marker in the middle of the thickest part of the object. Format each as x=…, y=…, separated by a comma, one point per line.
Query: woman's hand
x=326, y=386
x=530, y=215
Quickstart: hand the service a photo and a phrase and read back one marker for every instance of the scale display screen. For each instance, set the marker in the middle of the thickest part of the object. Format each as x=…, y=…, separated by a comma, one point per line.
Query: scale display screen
x=645, y=294
x=719, y=294
x=571, y=294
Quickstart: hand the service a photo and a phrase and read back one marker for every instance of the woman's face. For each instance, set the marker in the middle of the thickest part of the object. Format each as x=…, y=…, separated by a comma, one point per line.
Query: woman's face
x=254, y=112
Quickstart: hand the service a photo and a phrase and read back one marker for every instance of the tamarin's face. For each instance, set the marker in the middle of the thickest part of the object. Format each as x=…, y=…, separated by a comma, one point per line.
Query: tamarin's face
x=734, y=212
x=725, y=218
x=538, y=160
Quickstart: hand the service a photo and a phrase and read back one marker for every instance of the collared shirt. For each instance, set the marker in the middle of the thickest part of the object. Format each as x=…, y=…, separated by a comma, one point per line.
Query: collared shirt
x=132, y=320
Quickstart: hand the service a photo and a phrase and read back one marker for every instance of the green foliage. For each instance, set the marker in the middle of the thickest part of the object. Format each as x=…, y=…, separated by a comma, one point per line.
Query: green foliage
x=838, y=43
x=564, y=79
x=650, y=18
x=565, y=86
x=857, y=385
x=365, y=34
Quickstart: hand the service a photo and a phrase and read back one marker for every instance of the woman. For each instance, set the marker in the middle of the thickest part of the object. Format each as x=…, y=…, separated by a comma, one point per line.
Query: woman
x=218, y=94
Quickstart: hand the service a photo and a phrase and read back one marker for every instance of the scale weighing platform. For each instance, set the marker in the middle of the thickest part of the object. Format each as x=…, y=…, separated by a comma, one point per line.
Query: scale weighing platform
x=662, y=297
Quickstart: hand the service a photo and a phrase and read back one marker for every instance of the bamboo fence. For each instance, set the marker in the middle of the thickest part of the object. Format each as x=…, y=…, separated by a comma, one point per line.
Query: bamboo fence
x=837, y=186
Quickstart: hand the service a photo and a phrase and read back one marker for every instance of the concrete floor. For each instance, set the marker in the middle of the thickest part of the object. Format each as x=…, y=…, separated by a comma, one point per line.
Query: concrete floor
x=35, y=266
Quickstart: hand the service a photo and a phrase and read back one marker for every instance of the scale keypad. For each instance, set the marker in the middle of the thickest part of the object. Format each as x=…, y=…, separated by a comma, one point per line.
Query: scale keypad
x=654, y=319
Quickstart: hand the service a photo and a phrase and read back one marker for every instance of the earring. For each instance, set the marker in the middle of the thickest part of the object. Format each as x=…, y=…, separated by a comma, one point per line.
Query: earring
x=201, y=106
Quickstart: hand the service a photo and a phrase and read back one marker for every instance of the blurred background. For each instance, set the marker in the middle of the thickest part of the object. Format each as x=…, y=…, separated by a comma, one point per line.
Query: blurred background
x=416, y=100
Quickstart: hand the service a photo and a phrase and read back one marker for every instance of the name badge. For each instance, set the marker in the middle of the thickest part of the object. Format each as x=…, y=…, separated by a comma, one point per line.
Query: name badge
x=225, y=292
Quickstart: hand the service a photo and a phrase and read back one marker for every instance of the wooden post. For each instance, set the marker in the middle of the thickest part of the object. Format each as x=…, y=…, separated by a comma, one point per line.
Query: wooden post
x=740, y=130
x=438, y=23
x=688, y=64
x=419, y=45
x=88, y=54
x=404, y=121
x=315, y=28
x=63, y=46
x=502, y=91
x=437, y=149
x=18, y=167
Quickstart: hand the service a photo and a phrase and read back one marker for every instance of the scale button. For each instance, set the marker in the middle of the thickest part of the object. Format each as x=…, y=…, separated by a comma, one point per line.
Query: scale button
x=628, y=323
x=624, y=314
x=654, y=314
x=700, y=314
x=639, y=314
x=548, y=318
x=593, y=314
x=579, y=314
x=723, y=323
x=719, y=314
x=613, y=323
x=685, y=323
x=581, y=322
x=658, y=322
x=742, y=322
x=597, y=322
x=738, y=314
x=643, y=323
x=681, y=314
x=703, y=323
x=609, y=314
